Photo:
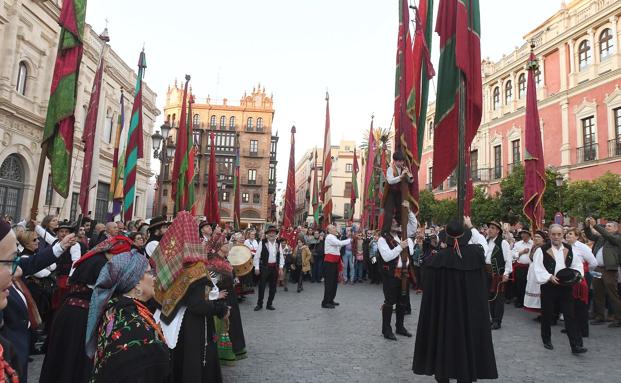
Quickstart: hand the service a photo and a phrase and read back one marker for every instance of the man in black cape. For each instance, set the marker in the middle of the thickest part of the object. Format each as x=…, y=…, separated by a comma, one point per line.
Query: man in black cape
x=454, y=339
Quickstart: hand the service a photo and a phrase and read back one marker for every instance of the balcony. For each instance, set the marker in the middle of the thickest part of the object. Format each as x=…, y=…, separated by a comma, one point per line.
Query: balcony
x=480, y=175
x=586, y=153
x=254, y=129
x=614, y=147
x=246, y=152
x=258, y=181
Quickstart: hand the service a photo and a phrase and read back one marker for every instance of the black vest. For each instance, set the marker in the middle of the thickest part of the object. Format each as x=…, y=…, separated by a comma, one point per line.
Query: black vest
x=265, y=254
x=392, y=243
x=550, y=263
x=498, y=256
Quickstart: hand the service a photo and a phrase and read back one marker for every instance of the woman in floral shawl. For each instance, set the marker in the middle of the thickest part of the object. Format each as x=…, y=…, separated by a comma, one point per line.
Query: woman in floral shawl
x=127, y=344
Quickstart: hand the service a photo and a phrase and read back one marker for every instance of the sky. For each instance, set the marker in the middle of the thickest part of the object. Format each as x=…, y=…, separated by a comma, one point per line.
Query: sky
x=296, y=49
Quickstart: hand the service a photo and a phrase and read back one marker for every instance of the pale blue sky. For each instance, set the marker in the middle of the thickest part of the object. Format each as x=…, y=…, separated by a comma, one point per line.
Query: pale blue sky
x=295, y=48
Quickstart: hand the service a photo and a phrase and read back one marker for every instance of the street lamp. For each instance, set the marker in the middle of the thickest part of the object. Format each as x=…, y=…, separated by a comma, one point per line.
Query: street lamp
x=161, y=151
x=559, y=183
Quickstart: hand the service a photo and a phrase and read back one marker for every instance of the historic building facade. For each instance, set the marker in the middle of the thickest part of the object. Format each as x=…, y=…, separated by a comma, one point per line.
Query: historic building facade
x=579, y=95
x=29, y=34
x=342, y=169
x=247, y=124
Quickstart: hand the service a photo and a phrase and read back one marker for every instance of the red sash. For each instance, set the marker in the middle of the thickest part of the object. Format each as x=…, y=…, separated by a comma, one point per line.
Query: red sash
x=581, y=290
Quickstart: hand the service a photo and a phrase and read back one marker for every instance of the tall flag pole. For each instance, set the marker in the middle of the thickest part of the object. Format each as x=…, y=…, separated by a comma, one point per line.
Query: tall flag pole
x=354, y=186
x=57, y=143
x=315, y=198
x=382, y=177
x=180, y=162
x=459, y=98
x=134, y=144
x=90, y=127
x=212, y=210
x=369, y=173
x=534, y=167
x=116, y=181
x=326, y=179
x=404, y=112
x=289, y=216
x=236, y=189
x=189, y=198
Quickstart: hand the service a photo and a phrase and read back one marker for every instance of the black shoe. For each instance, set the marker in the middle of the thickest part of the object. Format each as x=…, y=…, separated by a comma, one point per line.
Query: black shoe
x=404, y=332
x=390, y=335
x=579, y=350
x=270, y=307
x=299, y=289
x=495, y=326
x=257, y=308
x=548, y=345
x=327, y=306
x=335, y=303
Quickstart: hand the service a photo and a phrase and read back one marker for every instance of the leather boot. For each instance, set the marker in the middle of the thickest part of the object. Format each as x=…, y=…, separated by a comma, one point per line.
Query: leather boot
x=386, y=317
x=399, y=328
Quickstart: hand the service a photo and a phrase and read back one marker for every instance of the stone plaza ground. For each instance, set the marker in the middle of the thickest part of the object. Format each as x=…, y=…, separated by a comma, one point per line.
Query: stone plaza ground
x=301, y=342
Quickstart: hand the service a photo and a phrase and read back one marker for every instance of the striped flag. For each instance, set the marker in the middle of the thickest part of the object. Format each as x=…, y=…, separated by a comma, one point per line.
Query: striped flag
x=116, y=180
x=289, y=214
x=60, y=119
x=326, y=179
x=134, y=144
x=180, y=164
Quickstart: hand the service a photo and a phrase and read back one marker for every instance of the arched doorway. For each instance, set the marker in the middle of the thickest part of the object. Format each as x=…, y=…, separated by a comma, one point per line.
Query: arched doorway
x=11, y=187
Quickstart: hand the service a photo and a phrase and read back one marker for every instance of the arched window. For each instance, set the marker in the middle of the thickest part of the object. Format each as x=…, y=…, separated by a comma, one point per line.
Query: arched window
x=196, y=120
x=508, y=93
x=174, y=118
x=606, y=44
x=22, y=77
x=222, y=122
x=212, y=121
x=496, y=98
x=259, y=123
x=232, y=122
x=168, y=119
x=430, y=131
x=584, y=54
x=249, y=123
x=12, y=178
x=521, y=86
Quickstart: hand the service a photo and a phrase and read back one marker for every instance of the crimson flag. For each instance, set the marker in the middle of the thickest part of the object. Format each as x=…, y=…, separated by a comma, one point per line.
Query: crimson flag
x=289, y=215
x=212, y=210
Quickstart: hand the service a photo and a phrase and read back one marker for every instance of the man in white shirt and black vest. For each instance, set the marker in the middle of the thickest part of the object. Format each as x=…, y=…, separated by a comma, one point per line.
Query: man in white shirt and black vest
x=557, y=270
x=396, y=173
x=268, y=265
x=332, y=266
x=499, y=257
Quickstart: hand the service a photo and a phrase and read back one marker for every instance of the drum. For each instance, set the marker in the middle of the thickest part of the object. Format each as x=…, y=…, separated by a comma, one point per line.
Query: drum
x=241, y=260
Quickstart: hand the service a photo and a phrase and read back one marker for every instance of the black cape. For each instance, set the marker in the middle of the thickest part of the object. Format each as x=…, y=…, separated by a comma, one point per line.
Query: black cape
x=454, y=339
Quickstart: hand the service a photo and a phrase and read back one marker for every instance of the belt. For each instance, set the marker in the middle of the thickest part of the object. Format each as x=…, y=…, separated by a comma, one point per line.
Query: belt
x=332, y=258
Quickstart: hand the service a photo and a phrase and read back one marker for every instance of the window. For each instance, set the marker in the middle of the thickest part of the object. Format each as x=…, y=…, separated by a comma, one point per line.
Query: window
x=245, y=197
x=584, y=54
x=496, y=98
x=497, y=162
x=224, y=166
x=73, y=212
x=101, y=202
x=22, y=77
x=174, y=117
x=615, y=145
x=347, y=191
x=232, y=122
x=252, y=176
x=259, y=124
x=224, y=196
x=249, y=123
x=212, y=122
x=256, y=198
x=508, y=93
x=196, y=121
x=108, y=126
x=49, y=191
x=346, y=212
x=348, y=168
x=430, y=131
x=588, y=139
x=606, y=44
x=521, y=86
x=273, y=146
x=515, y=151
x=136, y=204
x=474, y=165
x=538, y=77
x=225, y=142
x=222, y=122
x=254, y=147
x=272, y=173
x=429, y=177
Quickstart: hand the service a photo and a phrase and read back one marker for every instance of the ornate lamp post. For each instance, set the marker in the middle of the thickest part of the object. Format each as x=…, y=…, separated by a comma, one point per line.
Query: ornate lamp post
x=163, y=150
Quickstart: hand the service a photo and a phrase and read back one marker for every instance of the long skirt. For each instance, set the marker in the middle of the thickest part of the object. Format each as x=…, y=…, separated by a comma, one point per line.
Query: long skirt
x=532, y=296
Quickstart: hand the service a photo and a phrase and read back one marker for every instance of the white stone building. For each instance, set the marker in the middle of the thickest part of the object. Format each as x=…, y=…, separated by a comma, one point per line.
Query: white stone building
x=29, y=34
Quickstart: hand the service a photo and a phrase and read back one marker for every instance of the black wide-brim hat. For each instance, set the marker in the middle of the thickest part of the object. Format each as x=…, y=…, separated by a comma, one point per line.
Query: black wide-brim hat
x=66, y=224
x=157, y=222
x=203, y=223
x=455, y=231
x=271, y=228
x=494, y=223
x=568, y=276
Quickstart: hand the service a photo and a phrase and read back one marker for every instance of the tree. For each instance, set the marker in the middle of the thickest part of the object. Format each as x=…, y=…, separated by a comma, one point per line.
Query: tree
x=599, y=198
x=444, y=211
x=484, y=208
x=426, y=206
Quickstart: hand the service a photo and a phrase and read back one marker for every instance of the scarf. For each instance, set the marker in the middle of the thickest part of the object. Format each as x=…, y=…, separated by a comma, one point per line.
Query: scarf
x=119, y=276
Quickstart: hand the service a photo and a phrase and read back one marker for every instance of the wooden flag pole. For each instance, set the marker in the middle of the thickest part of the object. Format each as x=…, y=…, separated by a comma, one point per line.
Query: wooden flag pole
x=462, y=177
x=34, y=210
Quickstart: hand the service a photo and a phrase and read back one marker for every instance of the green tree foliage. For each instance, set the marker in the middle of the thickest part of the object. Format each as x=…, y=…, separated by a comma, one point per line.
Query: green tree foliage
x=484, y=208
x=426, y=205
x=599, y=198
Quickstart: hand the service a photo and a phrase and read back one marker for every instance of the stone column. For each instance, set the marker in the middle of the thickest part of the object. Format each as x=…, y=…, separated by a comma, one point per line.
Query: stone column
x=594, y=51
x=615, y=37
x=572, y=57
x=565, y=147
x=563, y=66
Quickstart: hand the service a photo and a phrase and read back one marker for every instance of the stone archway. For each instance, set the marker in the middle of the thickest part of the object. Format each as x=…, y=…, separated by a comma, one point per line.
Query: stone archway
x=12, y=178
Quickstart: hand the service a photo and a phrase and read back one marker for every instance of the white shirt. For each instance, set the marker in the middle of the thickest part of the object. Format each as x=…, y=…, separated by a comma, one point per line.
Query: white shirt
x=272, y=249
x=252, y=244
x=585, y=253
x=600, y=256
x=150, y=247
x=393, y=179
x=506, y=254
x=389, y=254
x=542, y=275
x=57, y=250
x=478, y=239
x=333, y=245
x=45, y=235
x=518, y=247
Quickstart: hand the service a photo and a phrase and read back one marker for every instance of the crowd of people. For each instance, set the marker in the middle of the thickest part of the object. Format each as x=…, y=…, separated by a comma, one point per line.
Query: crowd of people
x=59, y=276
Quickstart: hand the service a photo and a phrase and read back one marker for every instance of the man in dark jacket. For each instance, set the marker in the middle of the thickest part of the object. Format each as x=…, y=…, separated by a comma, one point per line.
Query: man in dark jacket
x=607, y=250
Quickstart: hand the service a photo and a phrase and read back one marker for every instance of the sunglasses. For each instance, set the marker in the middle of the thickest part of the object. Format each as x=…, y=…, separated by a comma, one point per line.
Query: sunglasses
x=14, y=262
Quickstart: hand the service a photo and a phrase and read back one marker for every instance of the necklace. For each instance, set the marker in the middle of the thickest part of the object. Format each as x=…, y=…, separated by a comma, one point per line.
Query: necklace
x=144, y=312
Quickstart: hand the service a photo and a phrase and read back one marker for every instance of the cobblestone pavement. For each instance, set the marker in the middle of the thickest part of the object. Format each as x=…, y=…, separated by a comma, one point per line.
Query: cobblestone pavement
x=301, y=342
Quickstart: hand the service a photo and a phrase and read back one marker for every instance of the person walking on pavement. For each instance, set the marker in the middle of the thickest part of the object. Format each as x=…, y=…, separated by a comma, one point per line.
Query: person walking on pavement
x=332, y=266
x=301, y=263
x=268, y=265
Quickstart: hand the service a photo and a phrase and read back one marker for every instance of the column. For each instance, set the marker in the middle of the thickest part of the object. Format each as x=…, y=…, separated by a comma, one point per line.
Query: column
x=572, y=57
x=9, y=46
x=563, y=66
x=565, y=147
x=591, y=34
